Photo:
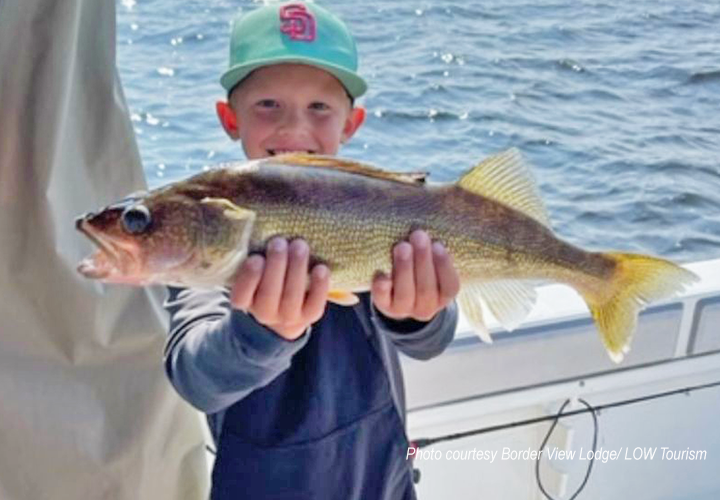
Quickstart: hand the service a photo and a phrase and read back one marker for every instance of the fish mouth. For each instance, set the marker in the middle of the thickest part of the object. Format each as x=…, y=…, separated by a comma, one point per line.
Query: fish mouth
x=104, y=262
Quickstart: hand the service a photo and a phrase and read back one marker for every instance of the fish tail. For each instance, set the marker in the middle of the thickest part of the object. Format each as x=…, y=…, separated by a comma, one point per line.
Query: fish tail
x=636, y=281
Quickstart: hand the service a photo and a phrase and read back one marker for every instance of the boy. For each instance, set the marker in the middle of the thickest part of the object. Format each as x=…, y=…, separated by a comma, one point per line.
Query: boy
x=301, y=411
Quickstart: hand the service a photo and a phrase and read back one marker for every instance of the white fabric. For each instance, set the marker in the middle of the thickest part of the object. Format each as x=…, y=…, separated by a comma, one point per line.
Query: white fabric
x=85, y=409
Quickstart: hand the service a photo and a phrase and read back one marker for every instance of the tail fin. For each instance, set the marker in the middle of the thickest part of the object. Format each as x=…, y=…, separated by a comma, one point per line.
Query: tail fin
x=636, y=281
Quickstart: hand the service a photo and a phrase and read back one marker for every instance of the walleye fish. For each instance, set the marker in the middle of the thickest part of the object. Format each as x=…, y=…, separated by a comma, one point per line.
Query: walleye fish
x=196, y=232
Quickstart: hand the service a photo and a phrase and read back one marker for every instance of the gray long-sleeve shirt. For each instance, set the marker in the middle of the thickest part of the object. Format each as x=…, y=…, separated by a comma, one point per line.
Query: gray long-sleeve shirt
x=216, y=355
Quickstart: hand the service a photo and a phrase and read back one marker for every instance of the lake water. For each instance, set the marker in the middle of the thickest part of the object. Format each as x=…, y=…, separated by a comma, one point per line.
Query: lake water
x=615, y=104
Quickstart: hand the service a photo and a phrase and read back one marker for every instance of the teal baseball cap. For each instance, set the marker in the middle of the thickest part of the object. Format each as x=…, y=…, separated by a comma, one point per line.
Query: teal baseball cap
x=295, y=32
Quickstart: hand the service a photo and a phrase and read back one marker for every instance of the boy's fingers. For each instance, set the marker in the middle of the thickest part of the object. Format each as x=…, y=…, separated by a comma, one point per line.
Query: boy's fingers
x=447, y=275
x=426, y=291
x=293, y=293
x=381, y=291
x=316, y=299
x=246, y=282
x=267, y=297
x=403, y=280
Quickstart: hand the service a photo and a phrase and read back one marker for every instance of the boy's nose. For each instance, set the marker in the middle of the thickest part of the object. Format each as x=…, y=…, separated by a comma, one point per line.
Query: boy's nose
x=294, y=123
x=292, y=118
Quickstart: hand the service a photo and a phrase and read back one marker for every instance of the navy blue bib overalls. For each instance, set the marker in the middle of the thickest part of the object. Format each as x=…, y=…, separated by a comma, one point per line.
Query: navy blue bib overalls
x=325, y=429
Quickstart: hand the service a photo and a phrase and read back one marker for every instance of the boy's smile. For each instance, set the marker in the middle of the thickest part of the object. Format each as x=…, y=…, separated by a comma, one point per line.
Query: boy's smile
x=290, y=108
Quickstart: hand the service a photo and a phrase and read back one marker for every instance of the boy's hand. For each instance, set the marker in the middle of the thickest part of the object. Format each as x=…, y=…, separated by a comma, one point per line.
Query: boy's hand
x=424, y=280
x=274, y=288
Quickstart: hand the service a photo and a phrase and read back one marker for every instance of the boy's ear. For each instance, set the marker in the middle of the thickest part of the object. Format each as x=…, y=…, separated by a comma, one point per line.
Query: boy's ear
x=228, y=119
x=353, y=122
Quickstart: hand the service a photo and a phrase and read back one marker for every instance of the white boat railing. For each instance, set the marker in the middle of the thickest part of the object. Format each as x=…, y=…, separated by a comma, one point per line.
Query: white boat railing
x=555, y=356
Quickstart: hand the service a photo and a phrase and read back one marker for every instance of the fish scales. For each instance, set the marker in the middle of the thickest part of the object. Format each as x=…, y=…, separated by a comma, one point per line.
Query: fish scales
x=351, y=222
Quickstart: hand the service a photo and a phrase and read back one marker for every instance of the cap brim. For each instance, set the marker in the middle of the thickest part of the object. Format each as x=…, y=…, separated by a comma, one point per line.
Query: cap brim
x=355, y=85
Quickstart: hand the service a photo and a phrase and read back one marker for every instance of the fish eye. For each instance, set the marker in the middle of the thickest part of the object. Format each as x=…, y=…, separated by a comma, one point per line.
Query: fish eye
x=136, y=219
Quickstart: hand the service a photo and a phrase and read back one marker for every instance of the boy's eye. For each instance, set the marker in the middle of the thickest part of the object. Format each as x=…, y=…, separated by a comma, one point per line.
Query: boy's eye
x=267, y=103
x=319, y=106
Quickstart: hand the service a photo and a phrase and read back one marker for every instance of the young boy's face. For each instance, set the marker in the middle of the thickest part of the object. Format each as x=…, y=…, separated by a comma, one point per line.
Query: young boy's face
x=290, y=107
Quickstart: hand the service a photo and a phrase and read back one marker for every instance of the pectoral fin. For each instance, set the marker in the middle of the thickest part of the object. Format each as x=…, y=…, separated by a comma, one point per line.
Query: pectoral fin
x=343, y=298
x=231, y=245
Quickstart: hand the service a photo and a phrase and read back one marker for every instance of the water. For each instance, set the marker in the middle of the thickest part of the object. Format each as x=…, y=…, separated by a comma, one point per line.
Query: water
x=616, y=104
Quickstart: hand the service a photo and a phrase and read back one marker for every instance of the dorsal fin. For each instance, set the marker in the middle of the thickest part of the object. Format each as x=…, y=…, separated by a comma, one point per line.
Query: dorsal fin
x=334, y=163
x=506, y=178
